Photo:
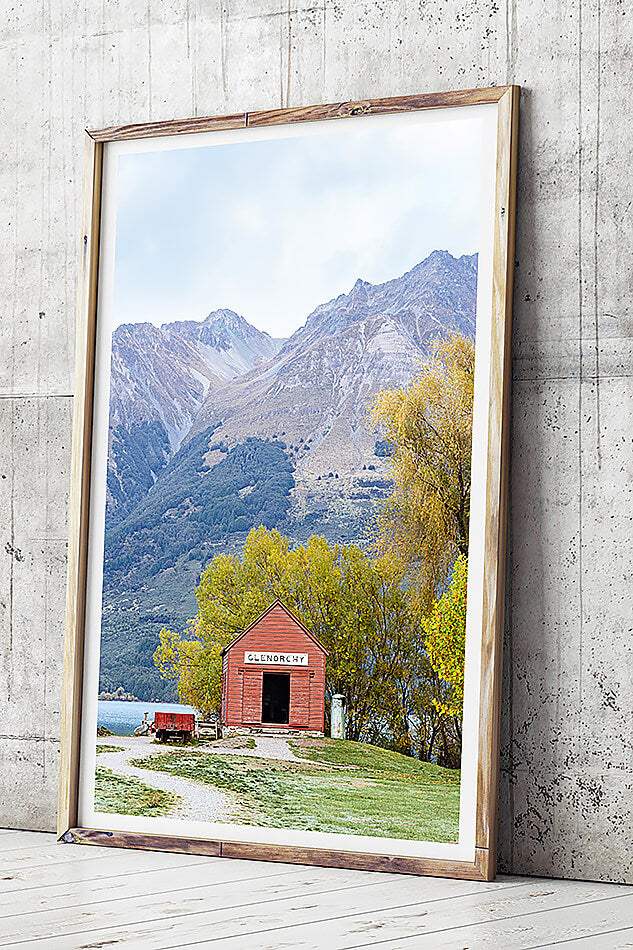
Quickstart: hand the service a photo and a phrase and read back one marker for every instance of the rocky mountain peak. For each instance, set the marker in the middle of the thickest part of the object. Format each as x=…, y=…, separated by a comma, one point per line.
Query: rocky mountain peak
x=361, y=285
x=319, y=383
x=442, y=260
x=155, y=369
x=227, y=320
x=439, y=291
x=188, y=375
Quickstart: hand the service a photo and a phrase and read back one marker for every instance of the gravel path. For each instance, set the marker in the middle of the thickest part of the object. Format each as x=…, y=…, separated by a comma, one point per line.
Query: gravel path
x=199, y=802
x=266, y=747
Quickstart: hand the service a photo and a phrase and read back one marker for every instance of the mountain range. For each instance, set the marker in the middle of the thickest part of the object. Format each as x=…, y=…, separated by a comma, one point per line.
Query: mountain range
x=160, y=377
x=216, y=427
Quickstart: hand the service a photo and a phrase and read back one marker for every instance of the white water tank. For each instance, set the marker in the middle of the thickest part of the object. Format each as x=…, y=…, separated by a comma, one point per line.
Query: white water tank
x=337, y=729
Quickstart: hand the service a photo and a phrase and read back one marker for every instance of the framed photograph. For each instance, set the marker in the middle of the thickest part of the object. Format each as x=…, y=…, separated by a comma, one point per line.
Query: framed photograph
x=288, y=500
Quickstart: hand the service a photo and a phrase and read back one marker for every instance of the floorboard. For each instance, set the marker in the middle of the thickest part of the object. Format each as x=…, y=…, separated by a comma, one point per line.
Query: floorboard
x=72, y=897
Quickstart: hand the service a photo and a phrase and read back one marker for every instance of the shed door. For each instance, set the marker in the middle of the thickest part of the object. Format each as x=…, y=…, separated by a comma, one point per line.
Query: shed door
x=275, y=698
x=252, y=696
x=300, y=699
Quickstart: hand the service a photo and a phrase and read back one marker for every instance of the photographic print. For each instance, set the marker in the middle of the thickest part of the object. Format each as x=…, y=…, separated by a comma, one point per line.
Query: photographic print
x=283, y=621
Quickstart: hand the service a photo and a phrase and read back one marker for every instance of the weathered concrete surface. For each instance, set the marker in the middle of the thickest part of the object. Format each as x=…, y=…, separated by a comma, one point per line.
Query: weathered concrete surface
x=566, y=804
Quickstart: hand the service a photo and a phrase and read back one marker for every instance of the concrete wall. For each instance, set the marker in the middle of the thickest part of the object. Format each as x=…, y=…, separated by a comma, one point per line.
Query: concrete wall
x=566, y=782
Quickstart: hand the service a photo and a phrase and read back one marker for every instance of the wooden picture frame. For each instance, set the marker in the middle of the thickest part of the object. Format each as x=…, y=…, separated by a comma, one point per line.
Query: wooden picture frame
x=481, y=864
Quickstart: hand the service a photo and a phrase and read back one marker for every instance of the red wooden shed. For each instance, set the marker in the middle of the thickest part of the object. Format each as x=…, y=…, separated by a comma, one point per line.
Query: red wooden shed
x=273, y=675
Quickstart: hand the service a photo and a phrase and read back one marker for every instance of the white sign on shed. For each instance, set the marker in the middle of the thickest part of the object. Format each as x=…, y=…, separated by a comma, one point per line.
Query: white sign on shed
x=276, y=659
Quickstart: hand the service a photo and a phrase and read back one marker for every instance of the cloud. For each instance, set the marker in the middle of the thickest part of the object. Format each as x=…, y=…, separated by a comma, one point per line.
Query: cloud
x=273, y=228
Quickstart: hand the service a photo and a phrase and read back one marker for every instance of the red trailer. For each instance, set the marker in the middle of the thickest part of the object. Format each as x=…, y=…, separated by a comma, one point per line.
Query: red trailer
x=171, y=725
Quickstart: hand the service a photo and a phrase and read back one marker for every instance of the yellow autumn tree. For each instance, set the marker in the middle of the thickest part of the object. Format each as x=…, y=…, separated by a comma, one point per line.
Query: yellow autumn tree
x=428, y=424
x=353, y=604
x=198, y=672
x=445, y=630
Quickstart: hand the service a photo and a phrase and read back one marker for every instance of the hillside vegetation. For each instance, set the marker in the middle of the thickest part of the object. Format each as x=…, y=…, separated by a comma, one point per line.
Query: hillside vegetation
x=153, y=557
x=342, y=787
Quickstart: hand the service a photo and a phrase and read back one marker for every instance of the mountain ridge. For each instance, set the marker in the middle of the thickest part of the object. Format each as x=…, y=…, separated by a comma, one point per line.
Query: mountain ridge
x=160, y=377
x=287, y=443
x=373, y=337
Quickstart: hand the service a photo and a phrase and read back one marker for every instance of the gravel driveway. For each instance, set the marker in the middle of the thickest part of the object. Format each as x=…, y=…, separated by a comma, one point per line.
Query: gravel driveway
x=266, y=747
x=199, y=802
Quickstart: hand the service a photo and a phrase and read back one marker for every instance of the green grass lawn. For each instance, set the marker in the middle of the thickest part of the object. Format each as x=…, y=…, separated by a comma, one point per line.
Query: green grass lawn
x=109, y=748
x=346, y=787
x=128, y=796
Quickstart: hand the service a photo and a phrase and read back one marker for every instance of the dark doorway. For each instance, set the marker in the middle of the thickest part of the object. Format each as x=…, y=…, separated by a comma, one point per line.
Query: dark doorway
x=276, y=698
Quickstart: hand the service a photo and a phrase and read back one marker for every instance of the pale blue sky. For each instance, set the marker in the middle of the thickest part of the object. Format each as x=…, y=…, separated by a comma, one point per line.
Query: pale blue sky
x=271, y=229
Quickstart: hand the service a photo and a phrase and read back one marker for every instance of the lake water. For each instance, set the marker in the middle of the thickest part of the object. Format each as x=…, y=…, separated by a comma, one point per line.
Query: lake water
x=123, y=718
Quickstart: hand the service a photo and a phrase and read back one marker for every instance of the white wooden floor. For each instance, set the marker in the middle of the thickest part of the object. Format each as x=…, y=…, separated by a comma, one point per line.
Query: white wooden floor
x=73, y=897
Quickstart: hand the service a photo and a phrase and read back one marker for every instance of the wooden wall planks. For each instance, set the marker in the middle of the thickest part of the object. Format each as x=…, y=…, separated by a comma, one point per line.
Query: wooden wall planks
x=153, y=901
x=276, y=630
